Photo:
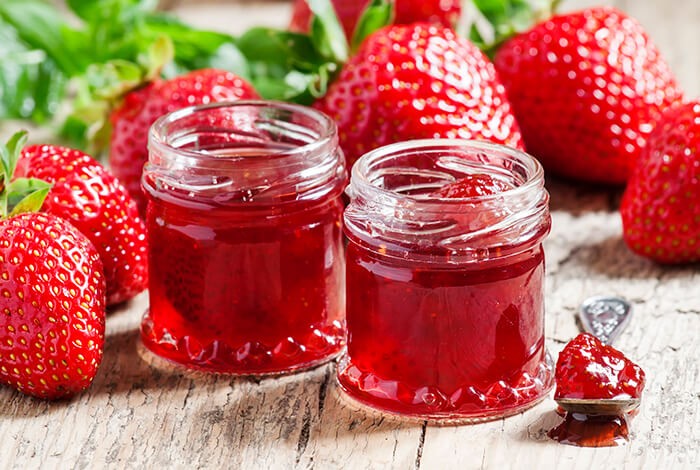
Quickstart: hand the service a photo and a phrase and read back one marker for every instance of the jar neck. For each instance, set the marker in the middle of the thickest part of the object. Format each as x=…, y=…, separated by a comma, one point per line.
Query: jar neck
x=244, y=152
x=392, y=207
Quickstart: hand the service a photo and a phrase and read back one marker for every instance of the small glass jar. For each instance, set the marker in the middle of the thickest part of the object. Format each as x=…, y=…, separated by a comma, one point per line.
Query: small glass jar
x=245, y=240
x=445, y=296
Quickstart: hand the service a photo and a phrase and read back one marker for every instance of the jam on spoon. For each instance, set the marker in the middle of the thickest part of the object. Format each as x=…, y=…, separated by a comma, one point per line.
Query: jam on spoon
x=599, y=388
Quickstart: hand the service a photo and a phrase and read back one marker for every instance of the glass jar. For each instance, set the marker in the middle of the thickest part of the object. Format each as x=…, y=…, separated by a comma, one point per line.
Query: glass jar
x=245, y=239
x=445, y=296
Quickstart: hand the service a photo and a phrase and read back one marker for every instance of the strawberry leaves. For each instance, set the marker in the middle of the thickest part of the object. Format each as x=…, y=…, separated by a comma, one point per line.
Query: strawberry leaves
x=298, y=67
x=326, y=33
x=379, y=13
x=21, y=194
x=489, y=23
x=292, y=66
x=42, y=51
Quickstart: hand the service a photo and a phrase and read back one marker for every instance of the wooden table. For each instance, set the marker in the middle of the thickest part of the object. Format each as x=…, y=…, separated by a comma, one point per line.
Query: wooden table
x=140, y=415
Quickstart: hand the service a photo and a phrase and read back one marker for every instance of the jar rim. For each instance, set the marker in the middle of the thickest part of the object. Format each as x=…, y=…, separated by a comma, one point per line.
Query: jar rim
x=160, y=140
x=392, y=205
x=360, y=172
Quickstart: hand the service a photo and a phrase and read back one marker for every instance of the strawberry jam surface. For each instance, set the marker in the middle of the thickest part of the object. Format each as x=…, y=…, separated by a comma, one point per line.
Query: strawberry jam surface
x=433, y=339
x=587, y=368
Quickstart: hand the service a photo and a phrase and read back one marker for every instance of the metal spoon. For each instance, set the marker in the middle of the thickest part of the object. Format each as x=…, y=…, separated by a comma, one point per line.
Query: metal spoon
x=604, y=318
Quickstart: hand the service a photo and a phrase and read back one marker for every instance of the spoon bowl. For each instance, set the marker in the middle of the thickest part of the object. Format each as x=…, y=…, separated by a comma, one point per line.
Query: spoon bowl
x=600, y=406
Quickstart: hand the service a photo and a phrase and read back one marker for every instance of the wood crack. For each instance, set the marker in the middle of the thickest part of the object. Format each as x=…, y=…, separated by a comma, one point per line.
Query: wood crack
x=421, y=443
x=323, y=390
x=689, y=311
x=304, y=434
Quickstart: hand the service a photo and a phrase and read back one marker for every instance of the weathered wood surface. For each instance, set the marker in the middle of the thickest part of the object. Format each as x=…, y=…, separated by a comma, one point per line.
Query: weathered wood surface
x=139, y=414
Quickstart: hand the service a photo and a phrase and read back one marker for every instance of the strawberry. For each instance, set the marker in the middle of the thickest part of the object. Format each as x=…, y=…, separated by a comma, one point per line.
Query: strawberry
x=417, y=81
x=586, y=89
x=141, y=107
x=472, y=186
x=589, y=369
x=442, y=12
x=53, y=293
x=92, y=199
x=660, y=213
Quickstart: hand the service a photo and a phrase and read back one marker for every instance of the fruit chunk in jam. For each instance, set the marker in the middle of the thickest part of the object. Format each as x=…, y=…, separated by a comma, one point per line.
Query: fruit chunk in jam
x=245, y=290
x=587, y=368
x=443, y=340
x=471, y=186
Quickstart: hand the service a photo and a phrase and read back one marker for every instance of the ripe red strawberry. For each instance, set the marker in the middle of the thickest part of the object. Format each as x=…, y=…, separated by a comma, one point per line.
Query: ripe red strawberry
x=52, y=291
x=442, y=12
x=471, y=186
x=417, y=81
x=587, y=368
x=660, y=210
x=586, y=89
x=92, y=199
x=140, y=108
x=53, y=307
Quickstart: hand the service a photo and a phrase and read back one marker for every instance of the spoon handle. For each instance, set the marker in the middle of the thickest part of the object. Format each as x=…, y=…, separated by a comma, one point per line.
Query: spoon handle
x=605, y=317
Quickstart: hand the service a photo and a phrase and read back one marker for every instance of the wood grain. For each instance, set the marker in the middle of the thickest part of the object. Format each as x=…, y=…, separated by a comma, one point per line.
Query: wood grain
x=140, y=413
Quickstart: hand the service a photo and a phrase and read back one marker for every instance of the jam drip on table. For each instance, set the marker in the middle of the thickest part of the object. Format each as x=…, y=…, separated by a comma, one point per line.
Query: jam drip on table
x=238, y=292
x=591, y=431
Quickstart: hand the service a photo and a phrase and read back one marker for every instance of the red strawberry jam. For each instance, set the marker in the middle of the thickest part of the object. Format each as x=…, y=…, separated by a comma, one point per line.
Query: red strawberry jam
x=471, y=186
x=587, y=368
x=591, y=430
x=445, y=304
x=245, y=242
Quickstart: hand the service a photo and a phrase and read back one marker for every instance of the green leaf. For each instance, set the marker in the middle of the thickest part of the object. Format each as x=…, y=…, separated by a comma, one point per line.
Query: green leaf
x=111, y=80
x=286, y=66
x=196, y=49
x=10, y=152
x=74, y=131
x=379, y=13
x=26, y=195
x=31, y=85
x=90, y=9
x=40, y=26
x=326, y=32
x=21, y=194
x=489, y=23
x=159, y=53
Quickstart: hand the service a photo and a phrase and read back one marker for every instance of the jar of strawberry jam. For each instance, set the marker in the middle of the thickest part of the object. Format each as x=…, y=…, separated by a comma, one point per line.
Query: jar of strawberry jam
x=445, y=273
x=245, y=240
